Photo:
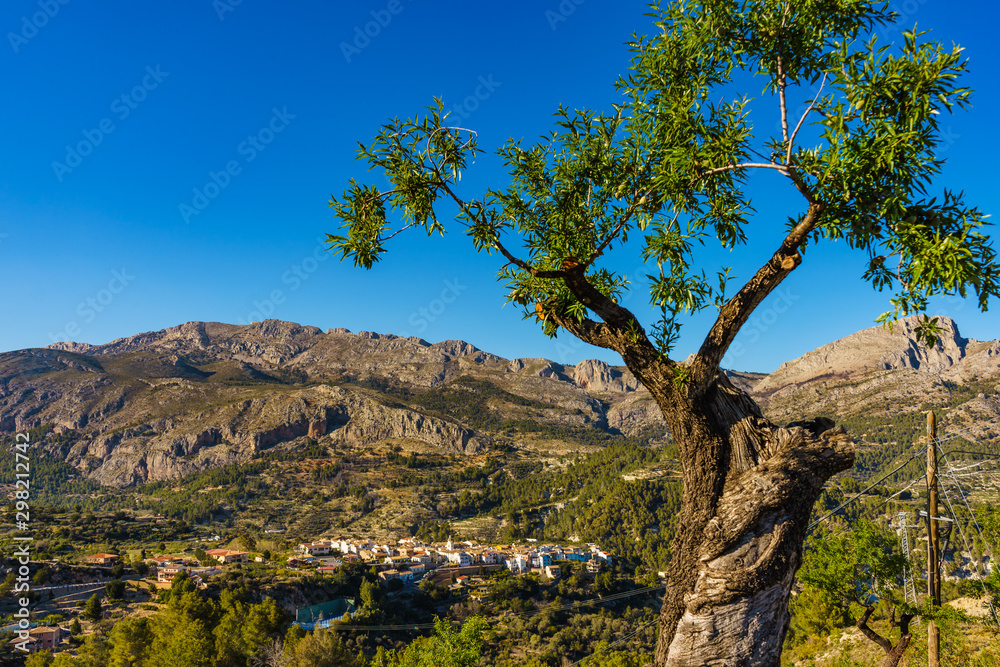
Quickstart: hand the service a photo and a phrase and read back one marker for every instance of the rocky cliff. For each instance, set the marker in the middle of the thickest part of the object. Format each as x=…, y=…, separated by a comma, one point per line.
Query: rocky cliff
x=163, y=404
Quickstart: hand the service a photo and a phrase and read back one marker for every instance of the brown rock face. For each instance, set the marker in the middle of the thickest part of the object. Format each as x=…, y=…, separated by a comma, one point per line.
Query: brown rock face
x=871, y=349
x=597, y=376
x=163, y=404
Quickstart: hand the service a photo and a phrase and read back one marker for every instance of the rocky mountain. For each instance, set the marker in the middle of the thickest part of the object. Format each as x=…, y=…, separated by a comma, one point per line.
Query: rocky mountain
x=876, y=348
x=163, y=404
x=880, y=384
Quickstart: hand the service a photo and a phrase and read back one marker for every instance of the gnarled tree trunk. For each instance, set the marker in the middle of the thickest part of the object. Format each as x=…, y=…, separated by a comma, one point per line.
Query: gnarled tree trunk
x=749, y=488
x=749, y=485
x=893, y=652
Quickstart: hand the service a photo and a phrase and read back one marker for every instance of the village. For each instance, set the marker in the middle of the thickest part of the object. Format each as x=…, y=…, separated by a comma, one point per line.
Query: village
x=410, y=559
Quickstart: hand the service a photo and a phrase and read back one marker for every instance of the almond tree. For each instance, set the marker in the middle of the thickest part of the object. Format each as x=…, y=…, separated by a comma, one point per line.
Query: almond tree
x=859, y=570
x=669, y=163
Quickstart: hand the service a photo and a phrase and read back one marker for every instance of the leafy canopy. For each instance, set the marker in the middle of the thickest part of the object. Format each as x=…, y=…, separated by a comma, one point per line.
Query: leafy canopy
x=670, y=162
x=856, y=568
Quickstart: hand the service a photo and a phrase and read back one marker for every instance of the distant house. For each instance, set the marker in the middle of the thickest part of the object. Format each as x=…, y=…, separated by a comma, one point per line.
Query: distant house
x=160, y=561
x=541, y=560
x=397, y=560
x=225, y=556
x=459, y=558
x=102, y=559
x=315, y=548
x=166, y=573
x=39, y=639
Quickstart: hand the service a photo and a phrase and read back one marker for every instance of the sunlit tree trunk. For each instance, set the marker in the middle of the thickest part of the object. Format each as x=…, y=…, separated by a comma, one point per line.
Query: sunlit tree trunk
x=749, y=488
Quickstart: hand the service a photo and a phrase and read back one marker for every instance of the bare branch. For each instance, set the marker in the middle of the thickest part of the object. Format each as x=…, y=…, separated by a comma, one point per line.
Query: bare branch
x=401, y=230
x=629, y=212
x=791, y=140
x=735, y=312
x=862, y=624
x=745, y=165
x=800, y=185
x=462, y=204
x=782, y=83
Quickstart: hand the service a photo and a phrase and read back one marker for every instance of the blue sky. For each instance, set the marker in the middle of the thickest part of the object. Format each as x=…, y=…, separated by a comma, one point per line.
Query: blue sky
x=169, y=162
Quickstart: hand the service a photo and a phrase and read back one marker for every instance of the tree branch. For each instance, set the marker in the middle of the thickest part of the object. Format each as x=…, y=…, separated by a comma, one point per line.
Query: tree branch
x=862, y=624
x=401, y=230
x=745, y=165
x=782, y=83
x=735, y=312
x=791, y=140
x=618, y=228
x=587, y=330
x=521, y=264
x=620, y=332
x=625, y=336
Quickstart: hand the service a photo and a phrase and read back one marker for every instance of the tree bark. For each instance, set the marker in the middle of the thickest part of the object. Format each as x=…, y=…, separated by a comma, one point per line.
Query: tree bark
x=749, y=488
x=893, y=654
x=749, y=485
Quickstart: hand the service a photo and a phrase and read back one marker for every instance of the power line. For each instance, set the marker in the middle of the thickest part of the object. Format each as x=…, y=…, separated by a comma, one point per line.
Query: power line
x=969, y=549
x=616, y=643
x=865, y=490
x=952, y=435
x=979, y=531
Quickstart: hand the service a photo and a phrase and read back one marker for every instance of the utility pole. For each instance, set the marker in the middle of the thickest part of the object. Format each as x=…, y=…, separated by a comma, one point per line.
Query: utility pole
x=933, y=571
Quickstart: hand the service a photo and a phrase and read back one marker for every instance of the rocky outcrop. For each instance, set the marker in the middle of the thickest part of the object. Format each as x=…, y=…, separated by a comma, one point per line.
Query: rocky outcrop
x=163, y=404
x=596, y=376
x=874, y=348
x=168, y=449
x=634, y=413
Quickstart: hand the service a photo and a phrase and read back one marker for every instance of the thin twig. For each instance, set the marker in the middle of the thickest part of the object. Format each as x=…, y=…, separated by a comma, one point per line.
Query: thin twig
x=629, y=212
x=745, y=165
x=791, y=140
x=401, y=230
x=459, y=129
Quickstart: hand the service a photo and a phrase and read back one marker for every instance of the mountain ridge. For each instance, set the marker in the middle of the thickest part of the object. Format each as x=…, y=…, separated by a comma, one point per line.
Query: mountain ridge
x=159, y=405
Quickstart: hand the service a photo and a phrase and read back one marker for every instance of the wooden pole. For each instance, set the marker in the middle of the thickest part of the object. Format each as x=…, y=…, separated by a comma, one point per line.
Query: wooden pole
x=933, y=572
